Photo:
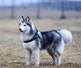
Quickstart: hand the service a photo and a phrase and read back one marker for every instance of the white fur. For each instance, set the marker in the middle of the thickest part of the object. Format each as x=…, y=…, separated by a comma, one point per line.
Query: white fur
x=35, y=50
x=67, y=35
x=28, y=54
x=61, y=47
x=24, y=36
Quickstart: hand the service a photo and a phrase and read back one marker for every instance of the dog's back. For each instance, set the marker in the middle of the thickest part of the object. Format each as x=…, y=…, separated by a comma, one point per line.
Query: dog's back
x=50, y=38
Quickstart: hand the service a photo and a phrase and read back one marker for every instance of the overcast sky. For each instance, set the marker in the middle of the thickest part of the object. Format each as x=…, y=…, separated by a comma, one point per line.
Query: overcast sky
x=19, y=2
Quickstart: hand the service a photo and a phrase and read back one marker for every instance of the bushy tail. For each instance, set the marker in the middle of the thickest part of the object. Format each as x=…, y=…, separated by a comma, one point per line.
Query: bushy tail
x=67, y=35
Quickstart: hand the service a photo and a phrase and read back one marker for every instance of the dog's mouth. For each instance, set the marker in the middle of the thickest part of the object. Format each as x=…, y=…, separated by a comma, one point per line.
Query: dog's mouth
x=20, y=30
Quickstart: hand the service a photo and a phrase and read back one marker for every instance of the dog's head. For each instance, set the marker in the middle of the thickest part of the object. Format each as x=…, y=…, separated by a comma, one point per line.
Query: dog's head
x=25, y=24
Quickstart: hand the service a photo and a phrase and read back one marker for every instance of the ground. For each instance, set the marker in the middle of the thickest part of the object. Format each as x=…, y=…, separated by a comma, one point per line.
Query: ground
x=12, y=54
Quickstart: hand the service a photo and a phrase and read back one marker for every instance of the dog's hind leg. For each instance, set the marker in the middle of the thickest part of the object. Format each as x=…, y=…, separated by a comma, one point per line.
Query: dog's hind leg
x=58, y=52
x=51, y=53
x=57, y=59
x=55, y=56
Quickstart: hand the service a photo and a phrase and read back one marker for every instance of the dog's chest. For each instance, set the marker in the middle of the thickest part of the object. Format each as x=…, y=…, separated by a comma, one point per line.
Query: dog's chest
x=30, y=45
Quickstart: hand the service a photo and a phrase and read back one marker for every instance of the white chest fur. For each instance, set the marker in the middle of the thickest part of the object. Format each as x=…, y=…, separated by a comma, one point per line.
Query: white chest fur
x=31, y=45
x=25, y=37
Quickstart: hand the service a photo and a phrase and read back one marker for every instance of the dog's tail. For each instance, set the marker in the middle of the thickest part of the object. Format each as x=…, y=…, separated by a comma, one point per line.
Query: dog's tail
x=67, y=35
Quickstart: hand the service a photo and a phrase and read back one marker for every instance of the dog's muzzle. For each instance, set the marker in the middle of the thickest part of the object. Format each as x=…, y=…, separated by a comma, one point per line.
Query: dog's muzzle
x=20, y=30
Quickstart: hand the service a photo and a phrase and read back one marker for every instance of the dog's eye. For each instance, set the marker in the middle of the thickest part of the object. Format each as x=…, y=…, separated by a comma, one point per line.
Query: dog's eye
x=24, y=25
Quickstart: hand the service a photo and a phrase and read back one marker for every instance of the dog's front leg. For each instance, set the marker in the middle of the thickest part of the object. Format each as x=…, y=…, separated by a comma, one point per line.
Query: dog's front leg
x=28, y=54
x=36, y=53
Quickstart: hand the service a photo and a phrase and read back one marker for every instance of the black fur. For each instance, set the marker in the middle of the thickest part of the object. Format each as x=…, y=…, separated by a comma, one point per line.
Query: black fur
x=50, y=38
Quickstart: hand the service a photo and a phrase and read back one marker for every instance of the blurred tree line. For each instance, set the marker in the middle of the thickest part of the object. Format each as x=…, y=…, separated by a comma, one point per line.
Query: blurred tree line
x=62, y=5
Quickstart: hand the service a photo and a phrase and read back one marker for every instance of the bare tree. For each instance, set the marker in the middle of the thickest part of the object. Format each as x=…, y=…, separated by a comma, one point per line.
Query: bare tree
x=38, y=10
x=13, y=9
x=62, y=10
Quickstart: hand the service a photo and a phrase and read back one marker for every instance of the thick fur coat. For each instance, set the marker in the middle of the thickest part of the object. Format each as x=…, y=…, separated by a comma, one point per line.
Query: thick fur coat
x=34, y=41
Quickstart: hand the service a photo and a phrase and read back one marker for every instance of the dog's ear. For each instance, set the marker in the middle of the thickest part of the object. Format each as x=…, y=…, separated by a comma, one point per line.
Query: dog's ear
x=22, y=18
x=28, y=19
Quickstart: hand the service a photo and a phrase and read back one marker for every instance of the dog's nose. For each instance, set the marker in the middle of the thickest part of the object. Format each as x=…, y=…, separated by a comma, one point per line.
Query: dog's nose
x=20, y=30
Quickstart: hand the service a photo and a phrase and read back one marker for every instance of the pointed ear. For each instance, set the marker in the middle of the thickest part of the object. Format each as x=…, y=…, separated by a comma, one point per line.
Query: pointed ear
x=22, y=18
x=28, y=19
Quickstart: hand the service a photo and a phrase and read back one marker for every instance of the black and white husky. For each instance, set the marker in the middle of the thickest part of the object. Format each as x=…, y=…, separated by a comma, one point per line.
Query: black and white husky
x=34, y=41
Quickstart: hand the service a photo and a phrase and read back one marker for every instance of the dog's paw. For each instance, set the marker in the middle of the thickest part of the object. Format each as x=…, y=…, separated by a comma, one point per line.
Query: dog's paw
x=27, y=64
x=36, y=65
x=58, y=64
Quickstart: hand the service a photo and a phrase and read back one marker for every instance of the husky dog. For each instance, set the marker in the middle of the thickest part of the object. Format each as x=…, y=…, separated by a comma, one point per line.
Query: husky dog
x=34, y=41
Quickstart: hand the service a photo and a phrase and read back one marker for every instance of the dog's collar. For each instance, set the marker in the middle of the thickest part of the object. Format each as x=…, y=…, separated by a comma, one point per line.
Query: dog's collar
x=33, y=38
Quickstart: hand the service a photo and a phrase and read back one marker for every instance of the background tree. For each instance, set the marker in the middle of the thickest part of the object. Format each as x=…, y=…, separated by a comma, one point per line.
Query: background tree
x=13, y=9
